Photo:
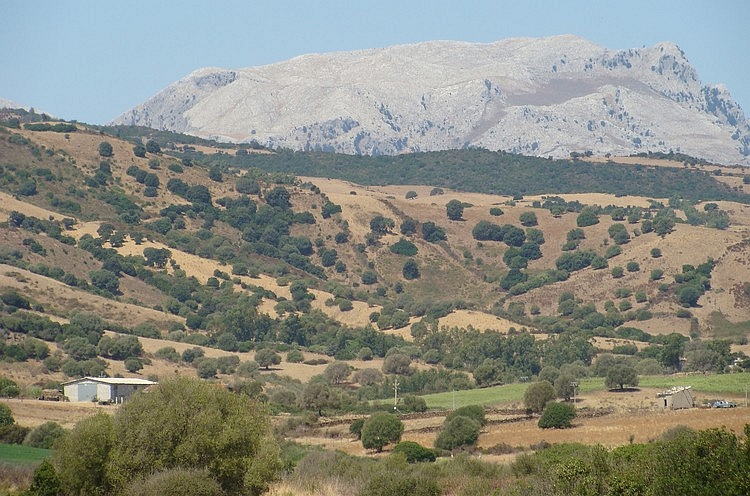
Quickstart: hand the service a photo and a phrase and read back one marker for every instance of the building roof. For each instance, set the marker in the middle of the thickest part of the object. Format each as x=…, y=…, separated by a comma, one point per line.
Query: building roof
x=674, y=390
x=130, y=381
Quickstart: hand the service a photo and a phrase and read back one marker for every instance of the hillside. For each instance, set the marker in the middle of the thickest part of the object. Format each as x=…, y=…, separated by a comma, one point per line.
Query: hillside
x=547, y=97
x=201, y=260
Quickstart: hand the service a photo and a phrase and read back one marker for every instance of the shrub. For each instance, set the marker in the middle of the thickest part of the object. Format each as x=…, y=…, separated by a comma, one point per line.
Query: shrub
x=458, y=432
x=475, y=412
x=404, y=247
x=413, y=403
x=176, y=482
x=44, y=436
x=399, y=484
x=414, y=452
x=356, y=427
x=557, y=416
x=632, y=267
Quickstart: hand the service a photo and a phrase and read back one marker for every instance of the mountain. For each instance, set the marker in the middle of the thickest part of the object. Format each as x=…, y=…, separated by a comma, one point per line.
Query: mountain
x=545, y=97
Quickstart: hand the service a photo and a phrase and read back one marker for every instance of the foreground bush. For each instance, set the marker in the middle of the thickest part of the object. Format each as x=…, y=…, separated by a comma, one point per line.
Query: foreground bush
x=414, y=452
x=182, y=425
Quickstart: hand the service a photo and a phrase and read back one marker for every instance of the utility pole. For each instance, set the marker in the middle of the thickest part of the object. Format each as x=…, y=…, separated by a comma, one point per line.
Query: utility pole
x=395, y=393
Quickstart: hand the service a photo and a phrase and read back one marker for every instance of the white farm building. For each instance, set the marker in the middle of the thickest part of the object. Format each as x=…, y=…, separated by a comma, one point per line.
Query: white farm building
x=109, y=389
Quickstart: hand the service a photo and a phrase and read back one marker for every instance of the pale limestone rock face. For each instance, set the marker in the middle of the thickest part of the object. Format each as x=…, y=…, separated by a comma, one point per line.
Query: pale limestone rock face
x=547, y=97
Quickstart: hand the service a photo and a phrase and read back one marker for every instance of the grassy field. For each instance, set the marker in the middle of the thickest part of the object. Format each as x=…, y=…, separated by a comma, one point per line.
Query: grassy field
x=733, y=384
x=15, y=454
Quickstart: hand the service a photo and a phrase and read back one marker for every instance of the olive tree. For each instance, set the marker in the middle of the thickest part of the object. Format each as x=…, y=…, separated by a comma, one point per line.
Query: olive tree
x=380, y=430
x=620, y=376
x=537, y=395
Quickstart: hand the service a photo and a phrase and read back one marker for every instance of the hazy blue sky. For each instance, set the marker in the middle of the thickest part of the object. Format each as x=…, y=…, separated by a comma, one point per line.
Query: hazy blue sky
x=92, y=60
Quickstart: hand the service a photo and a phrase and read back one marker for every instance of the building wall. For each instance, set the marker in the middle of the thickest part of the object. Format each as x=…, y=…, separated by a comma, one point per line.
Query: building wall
x=81, y=391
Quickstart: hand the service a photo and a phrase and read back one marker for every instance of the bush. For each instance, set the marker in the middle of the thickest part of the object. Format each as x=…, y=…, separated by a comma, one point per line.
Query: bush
x=176, y=482
x=356, y=427
x=399, y=484
x=44, y=436
x=458, y=432
x=475, y=412
x=557, y=416
x=414, y=452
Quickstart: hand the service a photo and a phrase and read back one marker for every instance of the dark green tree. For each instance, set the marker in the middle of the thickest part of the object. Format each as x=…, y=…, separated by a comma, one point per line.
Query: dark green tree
x=381, y=429
x=105, y=149
x=411, y=269
x=457, y=432
x=557, y=416
x=454, y=209
x=537, y=395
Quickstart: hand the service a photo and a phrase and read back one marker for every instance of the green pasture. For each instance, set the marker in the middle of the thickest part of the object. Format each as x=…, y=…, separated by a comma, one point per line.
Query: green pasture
x=15, y=454
x=508, y=394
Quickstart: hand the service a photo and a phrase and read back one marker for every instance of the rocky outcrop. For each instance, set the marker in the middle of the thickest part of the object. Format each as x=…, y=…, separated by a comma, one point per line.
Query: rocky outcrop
x=547, y=97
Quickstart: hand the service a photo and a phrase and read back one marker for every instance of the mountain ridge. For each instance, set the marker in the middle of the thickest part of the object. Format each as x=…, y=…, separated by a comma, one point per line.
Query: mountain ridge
x=537, y=96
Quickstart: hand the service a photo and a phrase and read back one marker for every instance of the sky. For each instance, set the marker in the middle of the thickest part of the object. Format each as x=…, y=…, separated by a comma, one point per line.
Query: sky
x=92, y=60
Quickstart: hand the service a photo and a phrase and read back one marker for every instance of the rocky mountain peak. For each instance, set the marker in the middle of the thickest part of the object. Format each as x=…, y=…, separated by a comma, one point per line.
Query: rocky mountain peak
x=542, y=96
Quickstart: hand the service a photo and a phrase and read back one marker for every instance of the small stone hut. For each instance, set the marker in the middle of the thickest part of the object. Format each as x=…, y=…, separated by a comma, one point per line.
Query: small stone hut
x=676, y=398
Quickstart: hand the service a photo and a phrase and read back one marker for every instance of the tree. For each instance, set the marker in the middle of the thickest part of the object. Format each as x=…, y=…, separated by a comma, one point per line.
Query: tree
x=404, y=247
x=537, y=395
x=411, y=269
x=337, y=372
x=528, y=219
x=454, y=209
x=8, y=389
x=153, y=146
x=457, y=432
x=81, y=456
x=432, y=233
x=45, y=481
x=397, y=363
x=587, y=217
x=133, y=364
x=380, y=225
x=267, y=357
x=565, y=386
x=105, y=280
x=6, y=416
x=381, y=429
x=193, y=425
x=139, y=151
x=619, y=233
x=105, y=149
x=279, y=197
x=557, y=416
x=408, y=226
x=619, y=376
